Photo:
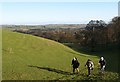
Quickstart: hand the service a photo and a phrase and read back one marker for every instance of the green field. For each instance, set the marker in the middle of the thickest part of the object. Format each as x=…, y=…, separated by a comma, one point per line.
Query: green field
x=27, y=57
x=0, y=54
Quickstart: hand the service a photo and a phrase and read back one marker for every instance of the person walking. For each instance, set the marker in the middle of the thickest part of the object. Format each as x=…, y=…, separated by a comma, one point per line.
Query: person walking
x=89, y=64
x=75, y=64
x=102, y=63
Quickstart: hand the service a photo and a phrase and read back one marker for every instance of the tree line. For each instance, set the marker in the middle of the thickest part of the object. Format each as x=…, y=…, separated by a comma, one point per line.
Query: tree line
x=95, y=33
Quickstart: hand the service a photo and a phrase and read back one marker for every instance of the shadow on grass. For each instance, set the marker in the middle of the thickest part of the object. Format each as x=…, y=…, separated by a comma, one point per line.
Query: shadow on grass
x=110, y=53
x=52, y=70
x=66, y=74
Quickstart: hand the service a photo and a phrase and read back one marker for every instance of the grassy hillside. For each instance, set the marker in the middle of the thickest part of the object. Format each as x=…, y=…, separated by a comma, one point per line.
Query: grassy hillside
x=27, y=57
x=0, y=54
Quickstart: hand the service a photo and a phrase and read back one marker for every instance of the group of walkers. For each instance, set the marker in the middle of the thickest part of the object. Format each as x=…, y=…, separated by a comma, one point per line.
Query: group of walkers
x=89, y=64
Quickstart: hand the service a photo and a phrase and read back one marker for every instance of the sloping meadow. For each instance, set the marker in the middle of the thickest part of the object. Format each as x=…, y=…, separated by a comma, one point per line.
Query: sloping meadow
x=27, y=57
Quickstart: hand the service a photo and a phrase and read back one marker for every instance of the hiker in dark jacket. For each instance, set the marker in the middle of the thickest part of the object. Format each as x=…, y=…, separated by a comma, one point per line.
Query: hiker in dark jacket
x=75, y=65
x=102, y=63
x=90, y=66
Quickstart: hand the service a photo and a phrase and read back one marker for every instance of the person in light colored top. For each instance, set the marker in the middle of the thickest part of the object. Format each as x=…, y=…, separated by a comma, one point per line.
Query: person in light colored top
x=90, y=66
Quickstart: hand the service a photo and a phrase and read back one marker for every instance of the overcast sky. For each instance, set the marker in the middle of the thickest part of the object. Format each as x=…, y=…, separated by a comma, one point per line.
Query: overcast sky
x=57, y=12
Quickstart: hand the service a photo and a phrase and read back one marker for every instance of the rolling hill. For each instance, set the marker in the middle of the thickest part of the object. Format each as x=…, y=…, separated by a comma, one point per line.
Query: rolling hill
x=27, y=57
x=0, y=54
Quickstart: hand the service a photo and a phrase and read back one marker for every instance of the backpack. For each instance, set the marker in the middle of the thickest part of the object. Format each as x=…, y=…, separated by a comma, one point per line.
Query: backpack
x=77, y=63
x=90, y=64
